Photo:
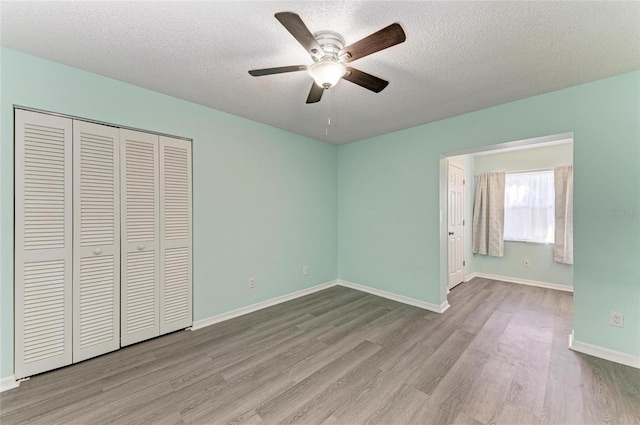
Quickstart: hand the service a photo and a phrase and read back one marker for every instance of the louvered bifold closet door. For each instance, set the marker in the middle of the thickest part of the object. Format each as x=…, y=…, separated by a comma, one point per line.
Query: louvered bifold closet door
x=43, y=242
x=175, y=234
x=140, y=183
x=96, y=240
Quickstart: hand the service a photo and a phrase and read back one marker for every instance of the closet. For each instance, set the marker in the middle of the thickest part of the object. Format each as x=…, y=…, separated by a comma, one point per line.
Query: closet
x=102, y=239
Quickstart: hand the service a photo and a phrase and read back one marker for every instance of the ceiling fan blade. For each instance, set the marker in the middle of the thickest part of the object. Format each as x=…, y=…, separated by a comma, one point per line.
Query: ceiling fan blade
x=365, y=80
x=293, y=23
x=279, y=70
x=380, y=40
x=315, y=94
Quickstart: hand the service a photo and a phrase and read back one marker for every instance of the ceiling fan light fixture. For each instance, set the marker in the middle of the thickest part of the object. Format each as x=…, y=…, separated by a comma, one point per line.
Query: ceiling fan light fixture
x=327, y=73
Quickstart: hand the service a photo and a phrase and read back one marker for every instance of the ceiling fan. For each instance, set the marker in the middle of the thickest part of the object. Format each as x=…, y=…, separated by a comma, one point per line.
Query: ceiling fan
x=329, y=55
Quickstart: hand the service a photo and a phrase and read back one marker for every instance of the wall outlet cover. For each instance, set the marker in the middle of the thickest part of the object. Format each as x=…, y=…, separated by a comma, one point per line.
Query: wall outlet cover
x=617, y=319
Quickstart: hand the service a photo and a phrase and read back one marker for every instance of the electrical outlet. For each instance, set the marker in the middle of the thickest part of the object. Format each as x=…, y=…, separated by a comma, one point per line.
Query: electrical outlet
x=305, y=271
x=252, y=282
x=525, y=262
x=617, y=319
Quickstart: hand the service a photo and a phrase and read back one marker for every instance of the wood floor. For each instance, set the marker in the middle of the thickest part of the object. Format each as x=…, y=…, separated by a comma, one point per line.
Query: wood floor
x=498, y=356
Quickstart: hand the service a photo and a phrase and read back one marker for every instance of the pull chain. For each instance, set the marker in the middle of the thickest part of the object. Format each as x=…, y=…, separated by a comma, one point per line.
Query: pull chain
x=327, y=113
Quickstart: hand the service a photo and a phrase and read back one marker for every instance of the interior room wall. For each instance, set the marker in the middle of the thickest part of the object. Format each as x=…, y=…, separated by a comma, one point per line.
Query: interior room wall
x=388, y=196
x=542, y=268
x=264, y=199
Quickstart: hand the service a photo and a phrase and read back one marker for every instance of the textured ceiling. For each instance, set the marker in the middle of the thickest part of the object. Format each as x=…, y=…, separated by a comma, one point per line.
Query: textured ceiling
x=458, y=57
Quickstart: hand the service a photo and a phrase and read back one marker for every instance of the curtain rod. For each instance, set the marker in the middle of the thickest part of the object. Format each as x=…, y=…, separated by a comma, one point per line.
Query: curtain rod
x=533, y=170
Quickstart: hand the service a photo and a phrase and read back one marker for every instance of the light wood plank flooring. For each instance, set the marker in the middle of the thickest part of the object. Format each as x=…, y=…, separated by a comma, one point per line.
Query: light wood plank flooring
x=498, y=356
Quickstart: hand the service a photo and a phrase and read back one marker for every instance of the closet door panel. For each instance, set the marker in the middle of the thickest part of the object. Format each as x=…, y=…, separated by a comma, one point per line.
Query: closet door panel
x=96, y=242
x=43, y=242
x=140, y=236
x=175, y=235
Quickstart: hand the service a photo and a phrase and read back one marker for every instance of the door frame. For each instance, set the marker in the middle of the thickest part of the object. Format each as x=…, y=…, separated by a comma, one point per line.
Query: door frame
x=444, y=157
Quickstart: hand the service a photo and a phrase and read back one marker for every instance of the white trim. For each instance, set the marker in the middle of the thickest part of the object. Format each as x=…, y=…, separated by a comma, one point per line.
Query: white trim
x=74, y=117
x=528, y=282
x=9, y=383
x=603, y=353
x=199, y=324
x=395, y=297
x=535, y=142
x=470, y=276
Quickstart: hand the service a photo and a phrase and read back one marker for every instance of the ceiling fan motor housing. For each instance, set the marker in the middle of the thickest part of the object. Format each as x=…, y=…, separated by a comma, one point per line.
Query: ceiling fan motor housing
x=331, y=43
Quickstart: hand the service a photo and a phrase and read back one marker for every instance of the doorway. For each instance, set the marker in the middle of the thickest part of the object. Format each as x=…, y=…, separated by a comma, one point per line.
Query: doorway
x=466, y=161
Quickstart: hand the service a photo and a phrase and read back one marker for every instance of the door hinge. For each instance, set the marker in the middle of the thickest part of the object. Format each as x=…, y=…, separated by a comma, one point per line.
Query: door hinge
x=463, y=221
x=464, y=263
x=464, y=181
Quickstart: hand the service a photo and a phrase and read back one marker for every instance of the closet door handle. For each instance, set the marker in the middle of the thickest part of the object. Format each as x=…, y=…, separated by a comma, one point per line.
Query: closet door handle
x=97, y=251
x=141, y=247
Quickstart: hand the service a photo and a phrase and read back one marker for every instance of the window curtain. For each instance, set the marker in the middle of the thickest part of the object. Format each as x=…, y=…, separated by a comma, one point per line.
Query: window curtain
x=563, y=182
x=529, y=207
x=488, y=215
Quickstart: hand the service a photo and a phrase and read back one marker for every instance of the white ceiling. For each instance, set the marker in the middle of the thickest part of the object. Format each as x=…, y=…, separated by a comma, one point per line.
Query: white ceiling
x=458, y=57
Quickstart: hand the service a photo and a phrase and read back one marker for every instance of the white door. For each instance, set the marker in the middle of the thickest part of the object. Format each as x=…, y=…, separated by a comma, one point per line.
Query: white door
x=96, y=240
x=140, y=183
x=175, y=234
x=43, y=242
x=455, y=190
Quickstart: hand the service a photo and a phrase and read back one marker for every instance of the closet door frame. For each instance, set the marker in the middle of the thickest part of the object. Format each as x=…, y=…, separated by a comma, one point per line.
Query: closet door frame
x=70, y=259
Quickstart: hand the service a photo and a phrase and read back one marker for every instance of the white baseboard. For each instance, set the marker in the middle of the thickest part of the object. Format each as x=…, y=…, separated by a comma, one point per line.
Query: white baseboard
x=395, y=297
x=199, y=324
x=603, y=353
x=528, y=282
x=8, y=383
x=470, y=276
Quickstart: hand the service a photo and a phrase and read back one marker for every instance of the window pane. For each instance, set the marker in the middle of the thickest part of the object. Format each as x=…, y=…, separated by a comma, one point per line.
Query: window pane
x=529, y=207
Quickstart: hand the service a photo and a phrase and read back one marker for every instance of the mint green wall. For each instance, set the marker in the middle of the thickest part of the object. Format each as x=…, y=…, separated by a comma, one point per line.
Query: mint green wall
x=264, y=199
x=388, y=200
x=542, y=267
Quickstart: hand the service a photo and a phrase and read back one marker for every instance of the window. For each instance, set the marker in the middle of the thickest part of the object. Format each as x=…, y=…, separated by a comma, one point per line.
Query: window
x=529, y=207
